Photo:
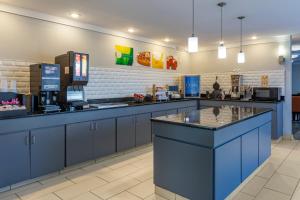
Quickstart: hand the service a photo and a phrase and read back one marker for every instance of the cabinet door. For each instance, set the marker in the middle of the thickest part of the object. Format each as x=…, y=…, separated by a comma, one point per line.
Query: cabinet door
x=249, y=153
x=125, y=133
x=47, y=150
x=264, y=142
x=79, y=143
x=14, y=156
x=143, y=129
x=227, y=168
x=105, y=138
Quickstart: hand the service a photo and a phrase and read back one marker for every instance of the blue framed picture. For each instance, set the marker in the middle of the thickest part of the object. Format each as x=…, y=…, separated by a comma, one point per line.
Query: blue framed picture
x=191, y=86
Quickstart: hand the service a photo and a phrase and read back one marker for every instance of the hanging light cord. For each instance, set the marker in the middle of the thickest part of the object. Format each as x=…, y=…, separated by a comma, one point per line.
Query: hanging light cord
x=241, y=34
x=193, y=18
x=222, y=24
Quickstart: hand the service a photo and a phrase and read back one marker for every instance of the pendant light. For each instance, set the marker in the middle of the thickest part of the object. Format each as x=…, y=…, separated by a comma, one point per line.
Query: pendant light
x=222, y=53
x=193, y=40
x=241, y=54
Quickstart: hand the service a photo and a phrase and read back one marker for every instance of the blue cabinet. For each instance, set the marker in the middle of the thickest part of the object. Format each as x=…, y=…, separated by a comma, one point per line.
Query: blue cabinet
x=264, y=142
x=249, y=153
x=125, y=133
x=15, y=158
x=104, y=137
x=143, y=129
x=227, y=168
x=47, y=150
x=79, y=142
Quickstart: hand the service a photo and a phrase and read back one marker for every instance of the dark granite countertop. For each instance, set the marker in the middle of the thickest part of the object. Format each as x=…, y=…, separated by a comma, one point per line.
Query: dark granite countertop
x=237, y=100
x=130, y=104
x=213, y=118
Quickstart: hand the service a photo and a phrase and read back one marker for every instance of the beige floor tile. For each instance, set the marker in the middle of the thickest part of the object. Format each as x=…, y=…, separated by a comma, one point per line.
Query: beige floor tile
x=254, y=186
x=125, y=195
x=50, y=196
x=11, y=197
x=267, y=194
x=242, y=196
x=164, y=193
x=30, y=187
x=87, y=196
x=144, y=189
x=120, y=161
x=112, y=175
x=178, y=197
x=280, y=152
x=290, y=169
x=155, y=197
x=296, y=195
x=294, y=158
x=282, y=183
x=48, y=186
x=115, y=187
x=143, y=174
x=80, y=188
x=144, y=163
x=268, y=170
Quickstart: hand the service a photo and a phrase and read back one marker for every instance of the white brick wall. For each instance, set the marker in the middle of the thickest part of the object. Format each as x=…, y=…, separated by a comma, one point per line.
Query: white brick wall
x=252, y=78
x=110, y=82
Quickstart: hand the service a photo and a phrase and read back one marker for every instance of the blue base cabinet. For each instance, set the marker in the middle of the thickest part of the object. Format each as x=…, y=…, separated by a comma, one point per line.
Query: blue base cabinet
x=227, y=168
x=249, y=153
x=47, y=150
x=264, y=142
x=15, y=158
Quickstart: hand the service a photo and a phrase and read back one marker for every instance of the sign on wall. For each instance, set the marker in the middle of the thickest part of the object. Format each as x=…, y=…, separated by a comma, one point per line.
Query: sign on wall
x=172, y=63
x=124, y=55
x=144, y=58
x=158, y=60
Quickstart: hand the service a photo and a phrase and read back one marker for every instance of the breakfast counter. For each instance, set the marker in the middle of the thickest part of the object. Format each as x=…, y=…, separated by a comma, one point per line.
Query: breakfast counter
x=216, y=149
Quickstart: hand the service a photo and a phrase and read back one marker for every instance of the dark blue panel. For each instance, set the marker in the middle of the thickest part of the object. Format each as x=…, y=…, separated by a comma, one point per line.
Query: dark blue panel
x=264, y=142
x=227, y=168
x=14, y=156
x=183, y=169
x=249, y=153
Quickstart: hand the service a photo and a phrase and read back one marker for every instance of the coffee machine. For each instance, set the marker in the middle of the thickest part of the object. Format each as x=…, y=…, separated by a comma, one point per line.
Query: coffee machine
x=45, y=87
x=74, y=75
x=236, y=82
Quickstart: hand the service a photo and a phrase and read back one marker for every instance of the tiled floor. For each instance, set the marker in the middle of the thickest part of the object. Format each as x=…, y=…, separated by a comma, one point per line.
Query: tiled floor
x=129, y=177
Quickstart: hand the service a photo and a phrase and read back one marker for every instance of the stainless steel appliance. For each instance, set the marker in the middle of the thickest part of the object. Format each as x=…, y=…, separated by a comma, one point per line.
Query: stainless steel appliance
x=45, y=87
x=236, y=82
x=266, y=94
x=74, y=75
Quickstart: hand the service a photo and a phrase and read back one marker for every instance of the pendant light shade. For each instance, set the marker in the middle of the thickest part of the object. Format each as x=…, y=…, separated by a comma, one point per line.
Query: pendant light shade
x=222, y=53
x=193, y=44
x=193, y=40
x=241, y=55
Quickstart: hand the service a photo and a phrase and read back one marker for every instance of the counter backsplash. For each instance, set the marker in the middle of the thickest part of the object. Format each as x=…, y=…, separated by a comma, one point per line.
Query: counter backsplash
x=111, y=82
x=251, y=78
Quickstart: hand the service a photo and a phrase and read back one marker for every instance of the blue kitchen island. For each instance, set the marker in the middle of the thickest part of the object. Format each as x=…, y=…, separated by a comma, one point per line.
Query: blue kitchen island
x=207, y=153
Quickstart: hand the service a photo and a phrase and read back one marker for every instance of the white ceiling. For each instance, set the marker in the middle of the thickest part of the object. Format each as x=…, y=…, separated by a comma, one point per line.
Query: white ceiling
x=157, y=19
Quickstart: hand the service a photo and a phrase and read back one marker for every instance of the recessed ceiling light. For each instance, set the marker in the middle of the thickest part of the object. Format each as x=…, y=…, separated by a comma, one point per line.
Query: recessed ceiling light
x=167, y=39
x=254, y=37
x=75, y=15
x=131, y=30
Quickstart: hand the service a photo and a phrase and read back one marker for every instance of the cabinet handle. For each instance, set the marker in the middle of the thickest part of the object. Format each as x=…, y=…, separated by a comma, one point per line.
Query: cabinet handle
x=27, y=140
x=33, y=139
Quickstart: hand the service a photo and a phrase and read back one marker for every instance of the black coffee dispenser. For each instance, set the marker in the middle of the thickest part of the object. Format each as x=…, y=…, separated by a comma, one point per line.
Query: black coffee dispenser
x=45, y=87
x=74, y=75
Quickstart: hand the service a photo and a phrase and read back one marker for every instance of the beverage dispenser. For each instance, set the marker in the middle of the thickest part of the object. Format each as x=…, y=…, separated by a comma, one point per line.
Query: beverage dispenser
x=74, y=75
x=45, y=87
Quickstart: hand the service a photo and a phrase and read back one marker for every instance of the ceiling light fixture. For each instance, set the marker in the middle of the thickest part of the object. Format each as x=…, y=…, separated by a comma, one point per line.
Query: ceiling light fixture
x=131, y=30
x=222, y=53
x=167, y=39
x=75, y=15
x=241, y=54
x=193, y=40
x=254, y=37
